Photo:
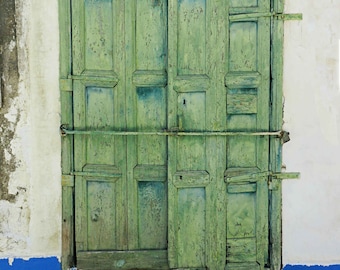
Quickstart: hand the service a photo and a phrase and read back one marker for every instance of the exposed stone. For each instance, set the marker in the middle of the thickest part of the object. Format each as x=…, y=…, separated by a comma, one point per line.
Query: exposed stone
x=9, y=90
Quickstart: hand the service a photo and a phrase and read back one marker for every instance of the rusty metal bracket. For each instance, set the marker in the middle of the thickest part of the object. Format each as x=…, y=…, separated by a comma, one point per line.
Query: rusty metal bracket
x=284, y=137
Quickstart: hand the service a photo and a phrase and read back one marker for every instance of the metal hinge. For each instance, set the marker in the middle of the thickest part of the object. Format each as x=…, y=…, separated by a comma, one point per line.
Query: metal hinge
x=65, y=85
x=67, y=180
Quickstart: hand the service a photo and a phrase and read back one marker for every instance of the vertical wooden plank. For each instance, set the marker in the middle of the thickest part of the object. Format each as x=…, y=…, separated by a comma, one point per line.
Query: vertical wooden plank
x=121, y=154
x=249, y=59
x=196, y=42
x=78, y=28
x=146, y=100
x=216, y=120
x=67, y=258
x=172, y=122
x=131, y=101
x=275, y=213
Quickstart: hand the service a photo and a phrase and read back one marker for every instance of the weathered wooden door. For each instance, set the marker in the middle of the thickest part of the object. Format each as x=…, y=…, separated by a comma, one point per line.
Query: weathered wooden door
x=169, y=98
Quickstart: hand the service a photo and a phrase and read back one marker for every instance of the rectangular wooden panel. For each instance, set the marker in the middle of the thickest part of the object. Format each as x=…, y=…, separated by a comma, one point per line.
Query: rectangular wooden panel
x=243, y=3
x=241, y=250
x=152, y=215
x=242, y=151
x=243, y=50
x=243, y=266
x=191, y=37
x=98, y=38
x=249, y=6
x=151, y=116
x=151, y=34
x=242, y=101
x=101, y=215
x=106, y=260
x=99, y=115
x=247, y=222
x=191, y=227
x=191, y=117
x=241, y=215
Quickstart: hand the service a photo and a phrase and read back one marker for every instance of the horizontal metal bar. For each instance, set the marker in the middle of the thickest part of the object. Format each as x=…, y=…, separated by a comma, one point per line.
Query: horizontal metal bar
x=65, y=132
x=251, y=177
x=288, y=175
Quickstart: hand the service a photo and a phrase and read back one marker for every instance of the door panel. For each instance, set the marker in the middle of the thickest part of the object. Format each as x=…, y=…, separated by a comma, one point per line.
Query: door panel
x=195, y=162
x=146, y=102
x=171, y=202
x=248, y=110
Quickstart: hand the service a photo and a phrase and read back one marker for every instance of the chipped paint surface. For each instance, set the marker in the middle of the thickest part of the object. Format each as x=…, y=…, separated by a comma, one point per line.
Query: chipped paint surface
x=9, y=116
x=311, y=217
x=29, y=140
x=30, y=218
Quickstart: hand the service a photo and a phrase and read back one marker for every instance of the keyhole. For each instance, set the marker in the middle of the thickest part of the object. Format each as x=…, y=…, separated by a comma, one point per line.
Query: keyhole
x=183, y=101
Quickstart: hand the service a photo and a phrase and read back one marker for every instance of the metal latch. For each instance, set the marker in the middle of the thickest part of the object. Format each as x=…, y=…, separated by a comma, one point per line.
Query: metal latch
x=278, y=16
x=273, y=180
x=288, y=16
x=254, y=177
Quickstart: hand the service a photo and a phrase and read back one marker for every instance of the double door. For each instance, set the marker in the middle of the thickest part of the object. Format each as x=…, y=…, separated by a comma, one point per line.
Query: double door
x=160, y=90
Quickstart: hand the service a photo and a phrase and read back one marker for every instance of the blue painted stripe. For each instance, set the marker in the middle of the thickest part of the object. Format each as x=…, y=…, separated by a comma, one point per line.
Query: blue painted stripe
x=51, y=263
x=314, y=267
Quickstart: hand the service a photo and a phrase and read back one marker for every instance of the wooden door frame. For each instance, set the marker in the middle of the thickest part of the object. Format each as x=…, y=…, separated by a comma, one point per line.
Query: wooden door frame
x=276, y=120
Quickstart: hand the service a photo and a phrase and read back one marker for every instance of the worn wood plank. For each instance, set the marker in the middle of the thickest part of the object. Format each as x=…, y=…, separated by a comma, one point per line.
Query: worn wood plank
x=68, y=256
x=248, y=87
x=122, y=260
x=275, y=213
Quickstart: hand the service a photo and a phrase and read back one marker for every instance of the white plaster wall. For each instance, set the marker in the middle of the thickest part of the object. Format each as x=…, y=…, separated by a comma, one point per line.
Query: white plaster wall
x=32, y=225
x=311, y=213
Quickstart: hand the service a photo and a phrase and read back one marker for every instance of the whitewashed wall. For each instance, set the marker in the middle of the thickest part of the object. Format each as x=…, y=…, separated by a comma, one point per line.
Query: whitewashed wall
x=31, y=227
x=311, y=213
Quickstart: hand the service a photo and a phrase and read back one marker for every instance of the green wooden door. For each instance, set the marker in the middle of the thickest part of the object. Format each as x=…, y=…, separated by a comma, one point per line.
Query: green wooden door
x=179, y=199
